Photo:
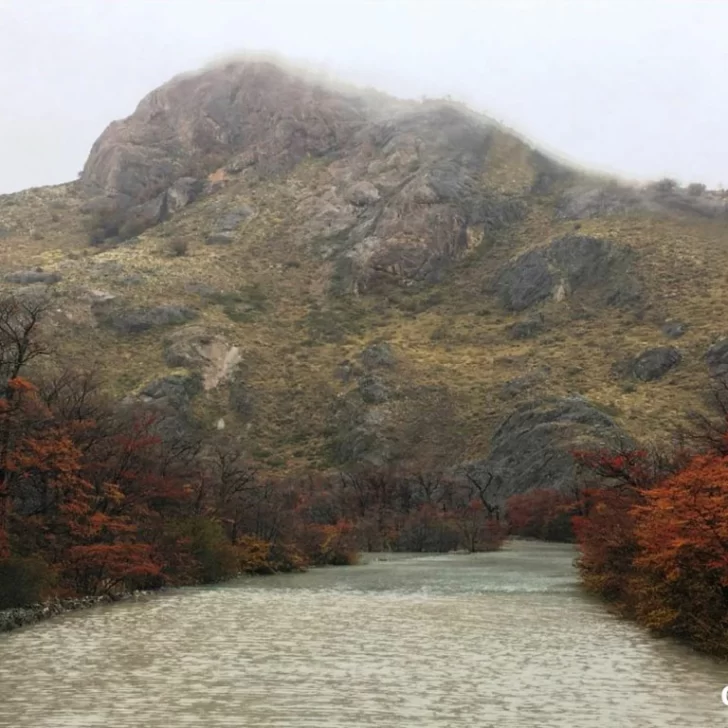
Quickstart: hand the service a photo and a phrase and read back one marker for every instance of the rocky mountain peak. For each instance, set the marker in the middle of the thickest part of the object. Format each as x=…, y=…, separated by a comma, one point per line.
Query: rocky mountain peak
x=196, y=122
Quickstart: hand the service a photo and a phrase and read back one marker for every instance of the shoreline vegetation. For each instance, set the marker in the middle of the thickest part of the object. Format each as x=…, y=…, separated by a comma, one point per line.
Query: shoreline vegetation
x=651, y=527
x=99, y=498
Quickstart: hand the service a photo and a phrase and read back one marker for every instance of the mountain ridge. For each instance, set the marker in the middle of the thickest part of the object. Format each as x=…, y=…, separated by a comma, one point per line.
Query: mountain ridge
x=301, y=227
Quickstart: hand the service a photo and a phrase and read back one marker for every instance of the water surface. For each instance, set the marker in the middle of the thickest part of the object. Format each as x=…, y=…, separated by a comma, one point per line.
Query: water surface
x=499, y=640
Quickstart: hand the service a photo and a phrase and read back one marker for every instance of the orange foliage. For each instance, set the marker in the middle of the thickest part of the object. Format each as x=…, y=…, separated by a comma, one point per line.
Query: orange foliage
x=659, y=549
x=542, y=513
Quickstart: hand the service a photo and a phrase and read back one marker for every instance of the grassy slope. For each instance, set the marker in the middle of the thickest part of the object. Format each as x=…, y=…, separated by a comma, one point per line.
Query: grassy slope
x=450, y=336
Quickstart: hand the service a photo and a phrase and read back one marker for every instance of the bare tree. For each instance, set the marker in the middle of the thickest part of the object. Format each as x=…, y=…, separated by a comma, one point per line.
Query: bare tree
x=19, y=344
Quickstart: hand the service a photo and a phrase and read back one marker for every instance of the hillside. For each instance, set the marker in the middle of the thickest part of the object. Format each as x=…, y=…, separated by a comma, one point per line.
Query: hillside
x=337, y=276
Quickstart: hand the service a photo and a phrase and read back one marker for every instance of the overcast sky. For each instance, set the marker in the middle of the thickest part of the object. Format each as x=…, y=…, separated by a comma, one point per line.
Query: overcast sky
x=631, y=86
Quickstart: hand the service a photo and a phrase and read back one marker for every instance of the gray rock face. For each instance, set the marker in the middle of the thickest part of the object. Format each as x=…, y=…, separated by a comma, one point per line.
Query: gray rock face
x=531, y=448
x=232, y=220
x=525, y=282
x=674, y=329
x=569, y=264
x=655, y=363
x=241, y=397
x=33, y=276
x=139, y=320
x=378, y=354
x=361, y=434
x=199, y=121
x=361, y=194
x=182, y=193
x=175, y=391
x=717, y=358
x=373, y=390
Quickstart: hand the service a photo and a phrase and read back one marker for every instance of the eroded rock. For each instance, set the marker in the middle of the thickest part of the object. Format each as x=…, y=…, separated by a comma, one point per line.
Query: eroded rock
x=531, y=448
x=569, y=264
x=655, y=363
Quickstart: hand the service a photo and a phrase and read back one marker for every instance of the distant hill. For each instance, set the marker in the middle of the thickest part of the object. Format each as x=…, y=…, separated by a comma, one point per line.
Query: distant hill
x=339, y=277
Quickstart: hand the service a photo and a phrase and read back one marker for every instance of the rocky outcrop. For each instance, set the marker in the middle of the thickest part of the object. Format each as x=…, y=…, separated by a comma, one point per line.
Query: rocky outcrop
x=124, y=320
x=198, y=122
x=651, y=364
x=532, y=447
x=378, y=354
x=526, y=281
x=198, y=349
x=674, y=329
x=568, y=265
x=717, y=358
x=405, y=193
x=373, y=390
x=175, y=391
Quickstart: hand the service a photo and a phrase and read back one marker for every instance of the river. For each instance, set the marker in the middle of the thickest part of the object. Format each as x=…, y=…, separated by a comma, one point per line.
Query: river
x=501, y=640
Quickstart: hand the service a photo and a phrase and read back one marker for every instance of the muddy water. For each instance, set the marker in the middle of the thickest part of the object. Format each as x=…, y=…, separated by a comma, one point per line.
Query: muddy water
x=496, y=640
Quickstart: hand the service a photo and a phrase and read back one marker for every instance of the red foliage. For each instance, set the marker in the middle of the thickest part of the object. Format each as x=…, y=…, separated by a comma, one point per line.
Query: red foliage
x=659, y=549
x=542, y=513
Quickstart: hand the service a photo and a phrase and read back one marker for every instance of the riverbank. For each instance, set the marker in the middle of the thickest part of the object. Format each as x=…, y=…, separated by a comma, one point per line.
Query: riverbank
x=12, y=619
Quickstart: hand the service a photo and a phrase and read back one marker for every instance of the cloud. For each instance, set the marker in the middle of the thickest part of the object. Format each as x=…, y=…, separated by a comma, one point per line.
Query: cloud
x=633, y=88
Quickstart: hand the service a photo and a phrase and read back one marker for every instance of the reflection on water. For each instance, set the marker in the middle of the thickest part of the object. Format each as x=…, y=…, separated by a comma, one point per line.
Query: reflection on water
x=496, y=640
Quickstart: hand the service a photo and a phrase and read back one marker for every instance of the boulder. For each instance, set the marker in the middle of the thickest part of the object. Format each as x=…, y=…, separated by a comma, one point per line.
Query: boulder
x=182, y=193
x=175, y=390
x=531, y=448
x=717, y=358
x=362, y=194
x=378, y=354
x=654, y=363
x=372, y=389
x=525, y=282
x=674, y=329
x=196, y=348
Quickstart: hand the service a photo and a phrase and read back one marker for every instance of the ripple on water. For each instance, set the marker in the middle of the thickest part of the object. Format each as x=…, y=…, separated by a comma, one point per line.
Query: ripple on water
x=494, y=640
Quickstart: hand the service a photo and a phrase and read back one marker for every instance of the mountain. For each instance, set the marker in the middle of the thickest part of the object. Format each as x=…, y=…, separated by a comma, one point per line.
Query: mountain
x=337, y=276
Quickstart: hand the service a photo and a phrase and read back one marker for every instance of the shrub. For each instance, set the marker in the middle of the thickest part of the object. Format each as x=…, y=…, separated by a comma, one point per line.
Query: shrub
x=24, y=581
x=178, y=248
x=665, y=185
x=207, y=555
x=696, y=189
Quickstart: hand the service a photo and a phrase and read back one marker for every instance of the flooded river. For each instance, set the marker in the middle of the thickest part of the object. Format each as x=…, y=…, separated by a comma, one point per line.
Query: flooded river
x=497, y=640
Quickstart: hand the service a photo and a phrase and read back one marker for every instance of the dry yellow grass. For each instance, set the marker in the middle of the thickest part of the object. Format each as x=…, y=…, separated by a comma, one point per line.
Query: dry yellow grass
x=456, y=342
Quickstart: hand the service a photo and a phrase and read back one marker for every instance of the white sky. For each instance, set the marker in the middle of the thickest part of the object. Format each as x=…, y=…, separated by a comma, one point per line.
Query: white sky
x=636, y=87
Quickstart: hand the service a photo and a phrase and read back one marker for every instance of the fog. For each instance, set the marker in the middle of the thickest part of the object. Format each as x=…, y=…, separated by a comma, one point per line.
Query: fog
x=634, y=88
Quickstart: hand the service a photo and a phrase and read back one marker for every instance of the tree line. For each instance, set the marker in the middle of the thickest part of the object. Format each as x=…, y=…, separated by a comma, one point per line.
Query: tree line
x=100, y=497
